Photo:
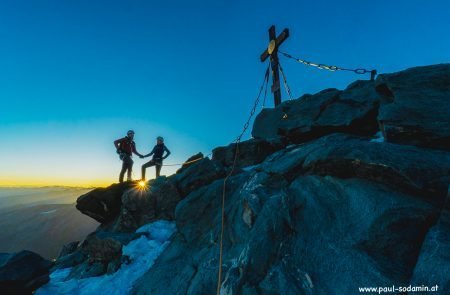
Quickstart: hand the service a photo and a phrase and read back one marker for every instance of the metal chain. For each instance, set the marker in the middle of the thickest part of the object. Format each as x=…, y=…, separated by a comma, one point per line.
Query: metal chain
x=255, y=105
x=288, y=90
x=331, y=68
x=265, y=90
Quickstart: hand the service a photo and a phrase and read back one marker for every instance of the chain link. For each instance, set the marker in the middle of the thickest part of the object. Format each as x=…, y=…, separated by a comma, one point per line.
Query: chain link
x=330, y=68
x=255, y=105
x=288, y=90
x=265, y=90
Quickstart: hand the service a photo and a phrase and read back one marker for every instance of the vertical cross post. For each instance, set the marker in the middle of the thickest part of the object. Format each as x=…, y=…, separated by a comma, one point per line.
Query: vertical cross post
x=275, y=71
x=272, y=52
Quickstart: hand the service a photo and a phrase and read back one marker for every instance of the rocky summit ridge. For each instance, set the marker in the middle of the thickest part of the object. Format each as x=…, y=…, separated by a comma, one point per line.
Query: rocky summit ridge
x=335, y=191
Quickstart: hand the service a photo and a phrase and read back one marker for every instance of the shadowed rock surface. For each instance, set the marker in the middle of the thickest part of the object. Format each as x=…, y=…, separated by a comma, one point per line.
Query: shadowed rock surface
x=315, y=206
x=139, y=207
x=416, y=106
x=23, y=272
x=190, y=161
x=353, y=111
x=325, y=215
x=103, y=204
x=198, y=174
x=433, y=265
x=408, y=168
x=251, y=152
x=305, y=232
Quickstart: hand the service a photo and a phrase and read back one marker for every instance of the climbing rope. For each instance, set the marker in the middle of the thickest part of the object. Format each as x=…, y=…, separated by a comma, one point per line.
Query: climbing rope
x=255, y=105
x=188, y=162
x=373, y=72
x=236, y=153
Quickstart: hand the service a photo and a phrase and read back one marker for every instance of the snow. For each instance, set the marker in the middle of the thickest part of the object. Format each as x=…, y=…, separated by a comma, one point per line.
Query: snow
x=143, y=253
x=378, y=137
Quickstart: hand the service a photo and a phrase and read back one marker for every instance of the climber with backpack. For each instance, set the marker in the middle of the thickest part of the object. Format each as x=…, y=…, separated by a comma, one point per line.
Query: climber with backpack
x=158, y=157
x=125, y=148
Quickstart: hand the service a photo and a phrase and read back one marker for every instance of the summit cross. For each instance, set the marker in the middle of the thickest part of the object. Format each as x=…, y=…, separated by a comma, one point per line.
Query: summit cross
x=272, y=53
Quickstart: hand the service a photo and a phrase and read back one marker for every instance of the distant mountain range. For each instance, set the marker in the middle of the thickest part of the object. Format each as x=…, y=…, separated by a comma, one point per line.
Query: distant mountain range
x=41, y=219
x=11, y=196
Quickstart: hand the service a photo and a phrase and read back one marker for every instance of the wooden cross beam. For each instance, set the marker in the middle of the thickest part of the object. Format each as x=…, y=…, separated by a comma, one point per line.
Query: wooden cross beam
x=272, y=52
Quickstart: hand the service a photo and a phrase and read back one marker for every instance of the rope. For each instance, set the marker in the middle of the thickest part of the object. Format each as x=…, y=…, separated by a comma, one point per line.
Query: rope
x=236, y=153
x=188, y=162
x=373, y=72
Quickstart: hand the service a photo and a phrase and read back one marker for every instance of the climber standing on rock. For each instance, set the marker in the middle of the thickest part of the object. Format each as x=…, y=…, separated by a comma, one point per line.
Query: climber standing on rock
x=158, y=157
x=125, y=148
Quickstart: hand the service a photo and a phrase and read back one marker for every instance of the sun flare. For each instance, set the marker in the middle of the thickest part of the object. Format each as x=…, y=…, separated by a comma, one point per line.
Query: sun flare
x=142, y=185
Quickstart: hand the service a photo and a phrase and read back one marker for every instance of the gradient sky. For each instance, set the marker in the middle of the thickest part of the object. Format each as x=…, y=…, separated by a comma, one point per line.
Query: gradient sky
x=75, y=75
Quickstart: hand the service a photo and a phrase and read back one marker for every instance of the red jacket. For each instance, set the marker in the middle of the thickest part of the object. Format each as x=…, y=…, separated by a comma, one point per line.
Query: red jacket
x=126, y=145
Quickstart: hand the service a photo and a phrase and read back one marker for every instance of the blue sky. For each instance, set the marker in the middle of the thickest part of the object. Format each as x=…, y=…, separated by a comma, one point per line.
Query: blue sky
x=75, y=75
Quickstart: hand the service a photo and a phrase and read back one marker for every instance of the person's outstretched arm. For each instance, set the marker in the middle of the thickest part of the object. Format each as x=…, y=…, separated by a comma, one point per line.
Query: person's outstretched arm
x=151, y=153
x=133, y=146
x=167, y=152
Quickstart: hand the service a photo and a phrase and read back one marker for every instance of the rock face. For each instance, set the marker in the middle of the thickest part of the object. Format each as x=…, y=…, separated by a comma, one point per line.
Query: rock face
x=23, y=272
x=250, y=152
x=122, y=208
x=198, y=174
x=190, y=161
x=353, y=111
x=410, y=169
x=103, y=204
x=98, y=254
x=102, y=253
x=315, y=205
x=433, y=265
x=140, y=207
x=311, y=219
x=328, y=213
x=416, y=106
x=411, y=107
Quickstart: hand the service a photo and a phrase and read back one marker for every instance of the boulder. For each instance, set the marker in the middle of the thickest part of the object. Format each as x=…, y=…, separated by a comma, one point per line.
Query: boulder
x=99, y=253
x=191, y=160
x=415, y=109
x=199, y=174
x=143, y=205
x=414, y=170
x=353, y=111
x=103, y=204
x=250, y=152
x=23, y=272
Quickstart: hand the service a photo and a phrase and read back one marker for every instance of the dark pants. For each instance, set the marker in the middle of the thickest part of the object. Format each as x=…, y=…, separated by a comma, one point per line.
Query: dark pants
x=127, y=166
x=155, y=162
